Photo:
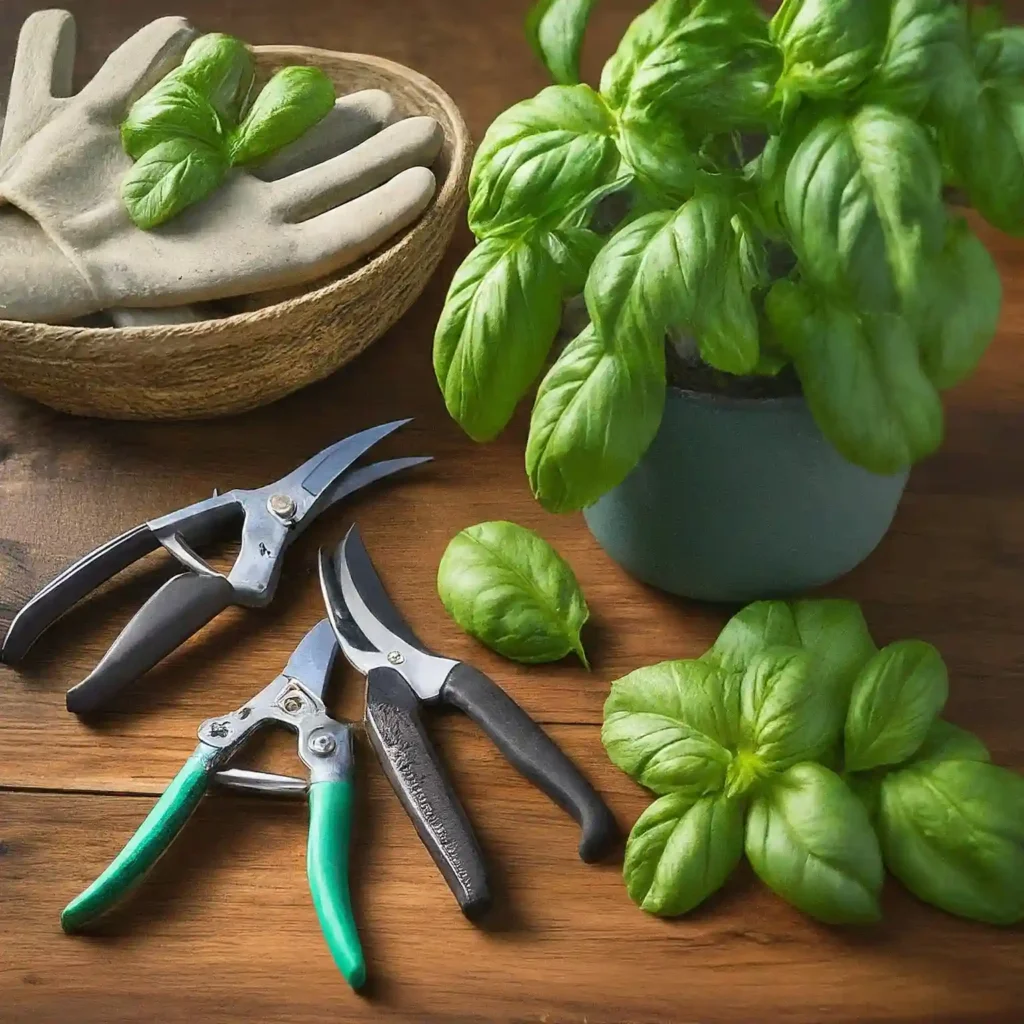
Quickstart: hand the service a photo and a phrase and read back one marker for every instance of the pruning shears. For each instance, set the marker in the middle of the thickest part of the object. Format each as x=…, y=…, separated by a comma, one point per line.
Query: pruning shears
x=403, y=675
x=294, y=699
x=271, y=518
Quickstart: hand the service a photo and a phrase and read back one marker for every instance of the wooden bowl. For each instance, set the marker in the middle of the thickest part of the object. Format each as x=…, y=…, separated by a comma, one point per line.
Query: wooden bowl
x=239, y=362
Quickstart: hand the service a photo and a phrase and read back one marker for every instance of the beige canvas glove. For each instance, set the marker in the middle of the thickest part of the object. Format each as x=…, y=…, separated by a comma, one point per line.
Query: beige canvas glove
x=249, y=236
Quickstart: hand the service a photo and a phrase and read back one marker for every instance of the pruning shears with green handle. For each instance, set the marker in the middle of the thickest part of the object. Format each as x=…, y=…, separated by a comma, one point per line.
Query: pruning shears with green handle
x=294, y=699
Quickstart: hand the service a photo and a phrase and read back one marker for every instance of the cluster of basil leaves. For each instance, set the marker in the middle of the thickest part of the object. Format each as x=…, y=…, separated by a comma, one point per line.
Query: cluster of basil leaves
x=796, y=741
x=509, y=588
x=870, y=108
x=201, y=120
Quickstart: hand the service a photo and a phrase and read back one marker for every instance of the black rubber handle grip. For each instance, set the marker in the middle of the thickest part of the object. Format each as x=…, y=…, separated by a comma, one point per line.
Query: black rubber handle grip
x=409, y=760
x=67, y=589
x=181, y=607
x=535, y=754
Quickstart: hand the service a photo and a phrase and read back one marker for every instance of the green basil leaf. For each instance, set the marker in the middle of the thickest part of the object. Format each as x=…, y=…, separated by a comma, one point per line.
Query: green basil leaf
x=654, y=729
x=600, y=405
x=511, y=590
x=785, y=715
x=170, y=110
x=926, y=54
x=982, y=138
x=682, y=850
x=659, y=157
x=810, y=840
x=715, y=72
x=555, y=30
x=221, y=68
x=895, y=701
x=498, y=323
x=867, y=788
x=862, y=378
x=953, y=833
x=689, y=695
x=836, y=636
x=644, y=34
x=168, y=178
x=294, y=100
x=948, y=742
x=538, y=157
x=863, y=205
x=965, y=299
x=573, y=251
x=828, y=46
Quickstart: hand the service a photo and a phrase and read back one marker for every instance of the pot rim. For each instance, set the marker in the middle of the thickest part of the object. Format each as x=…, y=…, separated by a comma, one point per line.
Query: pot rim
x=743, y=401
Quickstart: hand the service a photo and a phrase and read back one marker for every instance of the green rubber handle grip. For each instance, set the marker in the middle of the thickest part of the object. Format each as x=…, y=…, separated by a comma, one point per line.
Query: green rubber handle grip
x=330, y=826
x=143, y=850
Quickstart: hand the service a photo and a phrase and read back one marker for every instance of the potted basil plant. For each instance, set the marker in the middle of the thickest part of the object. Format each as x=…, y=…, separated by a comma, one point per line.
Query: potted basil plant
x=779, y=294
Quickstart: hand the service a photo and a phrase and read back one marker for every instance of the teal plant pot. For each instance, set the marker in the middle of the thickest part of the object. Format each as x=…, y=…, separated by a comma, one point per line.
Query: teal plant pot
x=743, y=498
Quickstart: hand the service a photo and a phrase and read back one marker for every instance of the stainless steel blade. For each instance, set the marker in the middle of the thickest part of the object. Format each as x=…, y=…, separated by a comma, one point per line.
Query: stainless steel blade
x=312, y=661
x=382, y=624
x=363, y=476
x=358, y=651
x=318, y=473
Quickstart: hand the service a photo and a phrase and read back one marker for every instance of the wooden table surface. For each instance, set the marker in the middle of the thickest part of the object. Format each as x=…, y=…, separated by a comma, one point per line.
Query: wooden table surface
x=224, y=929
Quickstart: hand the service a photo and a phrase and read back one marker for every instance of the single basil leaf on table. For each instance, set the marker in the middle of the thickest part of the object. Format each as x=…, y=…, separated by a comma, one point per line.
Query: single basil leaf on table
x=511, y=590
x=573, y=251
x=810, y=840
x=864, y=208
x=960, y=319
x=981, y=138
x=786, y=714
x=953, y=833
x=682, y=850
x=540, y=156
x=862, y=377
x=599, y=407
x=895, y=701
x=715, y=72
x=666, y=727
x=644, y=34
x=828, y=46
x=221, y=68
x=497, y=326
x=948, y=742
x=171, y=110
x=169, y=178
x=294, y=100
x=555, y=30
x=926, y=57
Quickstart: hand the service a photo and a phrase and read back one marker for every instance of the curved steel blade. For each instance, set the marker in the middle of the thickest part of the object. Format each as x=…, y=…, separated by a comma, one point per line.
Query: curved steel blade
x=364, y=476
x=380, y=621
x=358, y=651
x=318, y=473
x=312, y=661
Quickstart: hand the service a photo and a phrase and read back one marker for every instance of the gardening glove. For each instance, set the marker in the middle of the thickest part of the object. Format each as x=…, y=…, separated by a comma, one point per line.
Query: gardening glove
x=249, y=236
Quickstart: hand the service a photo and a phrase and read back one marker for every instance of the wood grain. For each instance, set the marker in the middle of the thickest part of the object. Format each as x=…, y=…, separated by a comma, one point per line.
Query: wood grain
x=224, y=930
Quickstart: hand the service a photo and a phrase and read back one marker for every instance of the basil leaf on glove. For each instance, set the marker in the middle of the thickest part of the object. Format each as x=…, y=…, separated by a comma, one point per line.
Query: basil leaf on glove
x=895, y=702
x=953, y=833
x=511, y=590
x=171, y=110
x=681, y=851
x=221, y=68
x=810, y=840
x=497, y=326
x=294, y=100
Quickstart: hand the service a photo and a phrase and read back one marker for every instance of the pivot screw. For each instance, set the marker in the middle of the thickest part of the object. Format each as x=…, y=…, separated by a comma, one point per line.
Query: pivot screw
x=322, y=744
x=396, y=657
x=292, y=704
x=219, y=729
x=282, y=506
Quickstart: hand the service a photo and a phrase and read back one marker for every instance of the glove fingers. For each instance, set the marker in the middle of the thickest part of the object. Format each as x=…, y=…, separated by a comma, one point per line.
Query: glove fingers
x=137, y=65
x=354, y=119
x=346, y=233
x=43, y=66
x=413, y=142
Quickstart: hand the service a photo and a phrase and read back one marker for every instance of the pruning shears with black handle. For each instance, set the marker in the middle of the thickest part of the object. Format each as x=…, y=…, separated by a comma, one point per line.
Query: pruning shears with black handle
x=294, y=699
x=402, y=676
x=271, y=517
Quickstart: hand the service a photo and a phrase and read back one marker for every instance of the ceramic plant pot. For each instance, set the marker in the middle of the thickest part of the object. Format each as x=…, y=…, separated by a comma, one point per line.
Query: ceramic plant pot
x=739, y=499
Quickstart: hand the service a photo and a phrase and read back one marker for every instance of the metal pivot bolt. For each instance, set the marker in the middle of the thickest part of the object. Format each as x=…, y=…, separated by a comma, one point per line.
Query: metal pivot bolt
x=292, y=704
x=322, y=744
x=219, y=729
x=396, y=657
x=282, y=506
